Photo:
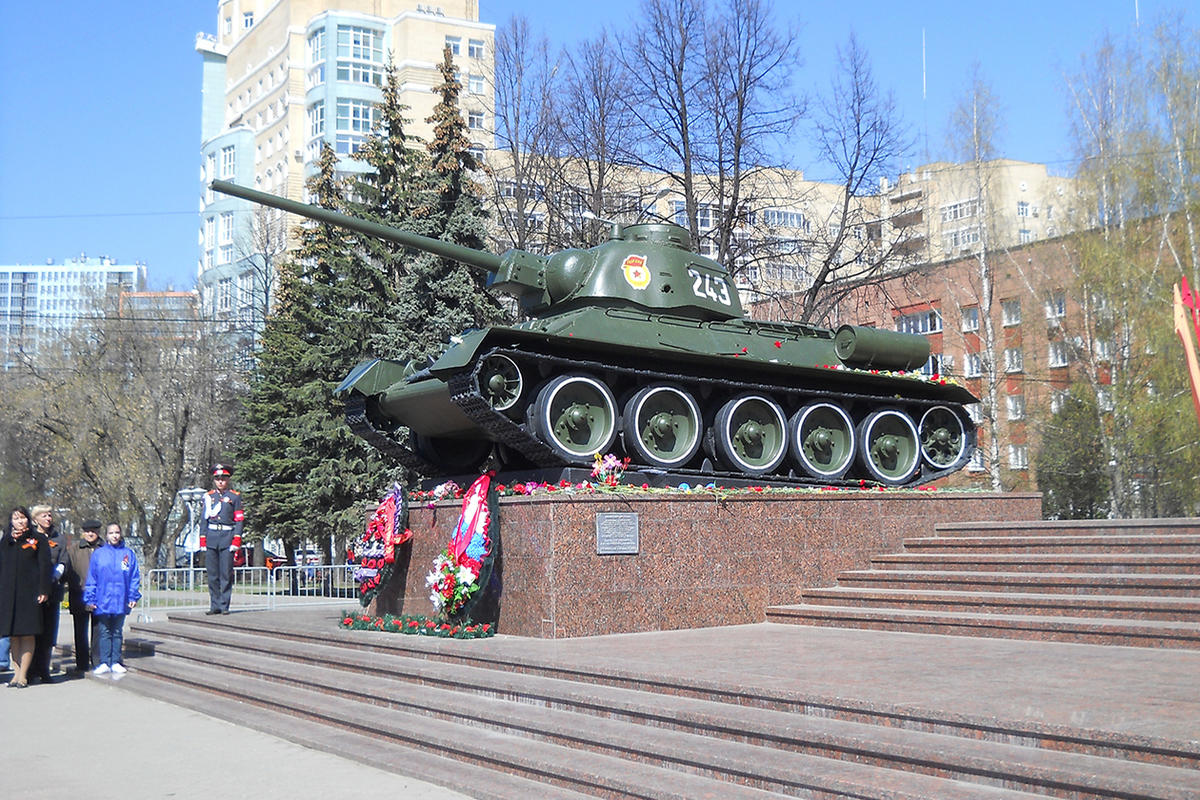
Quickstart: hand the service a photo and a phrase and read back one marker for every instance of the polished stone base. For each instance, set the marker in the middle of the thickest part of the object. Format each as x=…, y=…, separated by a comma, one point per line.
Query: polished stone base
x=701, y=560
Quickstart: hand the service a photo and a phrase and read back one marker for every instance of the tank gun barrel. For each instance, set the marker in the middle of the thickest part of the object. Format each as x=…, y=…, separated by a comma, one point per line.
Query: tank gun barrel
x=464, y=255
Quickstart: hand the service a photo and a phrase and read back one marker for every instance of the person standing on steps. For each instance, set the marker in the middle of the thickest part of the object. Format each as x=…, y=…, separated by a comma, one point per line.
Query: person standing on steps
x=220, y=538
x=80, y=552
x=113, y=588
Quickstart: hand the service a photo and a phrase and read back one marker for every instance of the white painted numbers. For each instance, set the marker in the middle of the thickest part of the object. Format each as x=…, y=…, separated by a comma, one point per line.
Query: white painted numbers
x=709, y=286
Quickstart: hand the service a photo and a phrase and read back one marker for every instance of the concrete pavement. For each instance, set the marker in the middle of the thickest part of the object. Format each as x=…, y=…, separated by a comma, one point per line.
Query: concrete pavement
x=87, y=738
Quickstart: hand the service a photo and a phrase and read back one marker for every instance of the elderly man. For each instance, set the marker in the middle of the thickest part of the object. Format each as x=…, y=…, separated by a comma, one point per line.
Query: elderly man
x=43, y=521
x=220, y=538
x=80, y=553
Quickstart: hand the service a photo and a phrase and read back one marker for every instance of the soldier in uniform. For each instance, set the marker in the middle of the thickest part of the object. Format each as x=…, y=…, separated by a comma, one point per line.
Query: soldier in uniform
x=220, y=538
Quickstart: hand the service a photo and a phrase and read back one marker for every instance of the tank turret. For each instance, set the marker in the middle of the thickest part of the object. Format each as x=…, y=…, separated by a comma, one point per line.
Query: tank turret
x=640, y=346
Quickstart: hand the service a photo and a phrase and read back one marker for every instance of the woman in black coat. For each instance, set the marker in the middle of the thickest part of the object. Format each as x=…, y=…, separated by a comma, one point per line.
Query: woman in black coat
x=24, y=586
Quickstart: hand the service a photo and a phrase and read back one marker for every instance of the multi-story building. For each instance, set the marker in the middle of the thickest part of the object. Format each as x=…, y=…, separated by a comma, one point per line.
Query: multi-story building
x=282, y=77
x=1041, y=342
x=944, y=209
x=39, y=304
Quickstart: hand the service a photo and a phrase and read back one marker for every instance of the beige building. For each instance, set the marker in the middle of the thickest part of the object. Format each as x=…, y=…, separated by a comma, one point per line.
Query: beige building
x=281, y=77
x=944, y=210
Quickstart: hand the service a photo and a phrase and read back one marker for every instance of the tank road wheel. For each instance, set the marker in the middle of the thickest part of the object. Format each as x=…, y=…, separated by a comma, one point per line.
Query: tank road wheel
x=500, y=382
x=888, y=446
x=822, y=440
x=751, y=434
x=943, y=438
x=576, y=416
x=662, y=426
x=453, y=455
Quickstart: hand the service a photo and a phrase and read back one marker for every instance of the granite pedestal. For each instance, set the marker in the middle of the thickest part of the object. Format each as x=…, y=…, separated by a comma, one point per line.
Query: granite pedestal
x=702, y=560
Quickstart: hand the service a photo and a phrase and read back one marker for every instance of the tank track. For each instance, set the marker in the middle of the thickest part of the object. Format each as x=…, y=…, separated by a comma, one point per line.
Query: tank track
x=360, y=425
x=465, y=394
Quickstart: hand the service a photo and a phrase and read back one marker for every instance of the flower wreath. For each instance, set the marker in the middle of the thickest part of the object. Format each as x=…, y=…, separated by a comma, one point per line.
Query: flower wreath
x=374, y=552
x=465, y=565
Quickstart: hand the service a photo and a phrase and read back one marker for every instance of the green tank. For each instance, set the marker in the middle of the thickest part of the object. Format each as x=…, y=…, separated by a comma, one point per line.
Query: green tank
x=639, y=347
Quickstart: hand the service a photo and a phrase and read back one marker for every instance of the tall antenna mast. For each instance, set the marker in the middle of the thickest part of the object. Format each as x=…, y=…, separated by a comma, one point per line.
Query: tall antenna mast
x=924, y=96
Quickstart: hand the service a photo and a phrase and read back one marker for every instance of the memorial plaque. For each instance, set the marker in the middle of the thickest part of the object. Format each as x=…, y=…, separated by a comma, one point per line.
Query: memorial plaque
x=616, y=534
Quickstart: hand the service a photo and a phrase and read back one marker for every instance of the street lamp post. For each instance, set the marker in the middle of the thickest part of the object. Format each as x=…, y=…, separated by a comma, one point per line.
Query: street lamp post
x=191, y=498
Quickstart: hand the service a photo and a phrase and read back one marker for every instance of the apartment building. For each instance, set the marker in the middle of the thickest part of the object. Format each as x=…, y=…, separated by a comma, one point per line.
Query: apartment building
x=943, y=209
x=1042, y=342
x=282, y=77
x=41, y=303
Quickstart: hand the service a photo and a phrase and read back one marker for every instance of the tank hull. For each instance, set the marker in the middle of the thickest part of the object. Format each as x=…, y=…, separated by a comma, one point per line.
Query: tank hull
x=698, y=398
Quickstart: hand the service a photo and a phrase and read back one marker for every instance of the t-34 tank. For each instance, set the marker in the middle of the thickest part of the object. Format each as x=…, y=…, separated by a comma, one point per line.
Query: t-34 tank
x=639, y=347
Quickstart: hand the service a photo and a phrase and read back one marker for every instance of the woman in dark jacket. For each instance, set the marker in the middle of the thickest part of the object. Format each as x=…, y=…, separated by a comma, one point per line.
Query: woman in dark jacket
x=24, y=586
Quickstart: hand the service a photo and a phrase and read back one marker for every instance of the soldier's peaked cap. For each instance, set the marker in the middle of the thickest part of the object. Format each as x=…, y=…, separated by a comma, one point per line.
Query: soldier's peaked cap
x=221, y=469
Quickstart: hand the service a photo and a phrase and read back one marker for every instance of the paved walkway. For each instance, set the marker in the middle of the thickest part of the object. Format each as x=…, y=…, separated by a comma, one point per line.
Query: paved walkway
x=88, y=738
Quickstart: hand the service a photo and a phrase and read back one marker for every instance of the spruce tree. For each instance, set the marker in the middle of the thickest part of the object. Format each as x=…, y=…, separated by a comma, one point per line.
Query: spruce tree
x=305, y=474
x=439, y=297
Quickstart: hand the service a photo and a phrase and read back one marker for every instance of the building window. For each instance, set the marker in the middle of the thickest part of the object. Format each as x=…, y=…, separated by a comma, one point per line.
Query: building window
x=475, y=120
x=475, y=48
x=1013, y=360
x=224, y=294
x=228, y=26
x=976, y=462
x=248, y=20
x=225, y=237
x=455, y=45
x=922, y=322
x=1018, y=456
x=355, y=121
x=228, y=162
x=970, y=318
x=360, y=55
x=963, y=210
x=1101, y=349
x=1024, y=236
x=316, y=47
x=1022, y=209
x=960, y=239
x=974, y=366
x=316, y=120
x=1058, y=354
x=1015, y=405
x=1056, y=305
x=1010, y=312
x=476, y=149
x=475, y=84
x=1058, y=398
x=245, y=291
x=782, y=218
x=1104, y=400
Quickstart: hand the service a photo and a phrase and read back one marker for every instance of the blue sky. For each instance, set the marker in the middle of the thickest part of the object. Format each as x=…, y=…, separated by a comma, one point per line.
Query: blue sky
x=100, y=106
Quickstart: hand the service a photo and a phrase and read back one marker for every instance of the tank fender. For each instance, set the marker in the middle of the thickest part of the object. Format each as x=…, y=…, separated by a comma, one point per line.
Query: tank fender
x=370, y=378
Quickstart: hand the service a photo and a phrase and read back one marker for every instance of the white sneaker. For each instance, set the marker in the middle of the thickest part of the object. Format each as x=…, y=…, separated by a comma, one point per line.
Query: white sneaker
x=101, y=670
x=119, y=669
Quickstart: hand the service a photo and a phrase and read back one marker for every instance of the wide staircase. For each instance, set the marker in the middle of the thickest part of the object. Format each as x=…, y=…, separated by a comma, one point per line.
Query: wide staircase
x=495, y=722
x=1123, y=582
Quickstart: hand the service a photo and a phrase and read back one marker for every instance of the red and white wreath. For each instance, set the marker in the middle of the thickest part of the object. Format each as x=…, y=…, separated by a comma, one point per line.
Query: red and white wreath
x=374, y=552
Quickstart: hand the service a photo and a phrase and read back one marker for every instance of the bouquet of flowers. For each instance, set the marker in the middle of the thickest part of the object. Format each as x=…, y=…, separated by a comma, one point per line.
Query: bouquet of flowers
x=609, y=469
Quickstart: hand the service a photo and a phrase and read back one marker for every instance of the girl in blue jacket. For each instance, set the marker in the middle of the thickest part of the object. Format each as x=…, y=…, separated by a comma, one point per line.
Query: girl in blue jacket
x=113, y=589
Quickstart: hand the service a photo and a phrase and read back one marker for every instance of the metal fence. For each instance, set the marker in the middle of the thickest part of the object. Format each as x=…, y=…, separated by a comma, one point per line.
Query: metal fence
x=254, y=588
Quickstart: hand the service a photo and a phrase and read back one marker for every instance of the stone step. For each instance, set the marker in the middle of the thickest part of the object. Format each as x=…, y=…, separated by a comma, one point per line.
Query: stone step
x=600, y=755
x=1178, y=609
x=1075, y=544
x=1136, y=633
x=367, y=748
x=677, y=701
x=1166, y=563
x=1086, y=527
x=1110, y=583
